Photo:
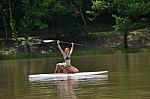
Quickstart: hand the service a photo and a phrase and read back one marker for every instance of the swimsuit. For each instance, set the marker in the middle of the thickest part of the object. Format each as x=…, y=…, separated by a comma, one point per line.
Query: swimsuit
x=66, y=67
x=67, y=58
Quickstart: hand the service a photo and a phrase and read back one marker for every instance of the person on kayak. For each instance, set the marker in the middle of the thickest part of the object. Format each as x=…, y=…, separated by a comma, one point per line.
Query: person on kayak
x=66, y=66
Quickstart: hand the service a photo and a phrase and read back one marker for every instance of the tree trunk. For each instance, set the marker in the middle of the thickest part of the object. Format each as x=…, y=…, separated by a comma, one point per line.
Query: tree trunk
x=84, y=21
x=57, y=28
x=13, y=27
x=5, y=26
x=27, y=46
x=53, y=27
x=125, y=39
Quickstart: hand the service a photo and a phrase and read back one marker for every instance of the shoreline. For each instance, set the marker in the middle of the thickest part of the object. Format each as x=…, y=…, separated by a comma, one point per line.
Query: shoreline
x=99, y=43
x=77, y=53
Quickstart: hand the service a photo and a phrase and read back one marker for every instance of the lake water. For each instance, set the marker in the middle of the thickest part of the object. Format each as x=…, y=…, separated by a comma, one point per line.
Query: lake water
x=128, y=78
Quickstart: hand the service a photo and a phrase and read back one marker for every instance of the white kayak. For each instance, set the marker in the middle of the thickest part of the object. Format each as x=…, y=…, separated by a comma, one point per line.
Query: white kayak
x=61, y=76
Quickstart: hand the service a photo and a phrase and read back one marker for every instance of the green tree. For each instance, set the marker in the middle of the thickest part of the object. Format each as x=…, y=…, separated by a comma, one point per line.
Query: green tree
x=7, y=9
x=4, y=12
x=124, y=25
x=13, y=26
x=127, y=13
x=70, y=17
x=34, y=11
x=80, y=6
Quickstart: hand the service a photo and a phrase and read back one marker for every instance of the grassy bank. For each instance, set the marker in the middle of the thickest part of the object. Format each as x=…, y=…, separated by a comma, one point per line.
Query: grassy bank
x=76, y=53
x=116, y=51
x=28, y=56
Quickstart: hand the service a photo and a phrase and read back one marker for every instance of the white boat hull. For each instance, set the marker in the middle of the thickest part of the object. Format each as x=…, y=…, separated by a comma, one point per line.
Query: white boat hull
x=57, y=76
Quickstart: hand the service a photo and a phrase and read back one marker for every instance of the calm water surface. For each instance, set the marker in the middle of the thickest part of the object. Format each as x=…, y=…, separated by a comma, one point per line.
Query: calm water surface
x=128, y=78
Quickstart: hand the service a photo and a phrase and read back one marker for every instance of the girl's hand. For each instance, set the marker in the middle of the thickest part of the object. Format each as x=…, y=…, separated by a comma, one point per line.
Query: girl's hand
x=72, y=43
x=58, y=42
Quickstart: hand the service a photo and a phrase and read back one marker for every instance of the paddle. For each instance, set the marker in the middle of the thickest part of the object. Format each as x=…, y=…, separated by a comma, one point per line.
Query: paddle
x=49, y=41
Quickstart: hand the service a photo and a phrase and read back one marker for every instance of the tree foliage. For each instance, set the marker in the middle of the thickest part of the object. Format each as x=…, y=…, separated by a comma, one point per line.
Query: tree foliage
x=127, y=13
x=69, y=18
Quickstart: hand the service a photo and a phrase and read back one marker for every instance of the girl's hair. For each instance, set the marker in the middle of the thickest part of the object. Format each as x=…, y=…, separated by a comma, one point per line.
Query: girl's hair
x=66, y=50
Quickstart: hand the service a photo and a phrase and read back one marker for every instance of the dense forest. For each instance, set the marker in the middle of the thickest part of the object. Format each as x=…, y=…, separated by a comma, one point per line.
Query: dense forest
x=70, y=19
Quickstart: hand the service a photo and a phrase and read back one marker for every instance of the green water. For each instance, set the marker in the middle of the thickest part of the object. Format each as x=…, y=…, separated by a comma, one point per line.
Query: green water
x=128, y=78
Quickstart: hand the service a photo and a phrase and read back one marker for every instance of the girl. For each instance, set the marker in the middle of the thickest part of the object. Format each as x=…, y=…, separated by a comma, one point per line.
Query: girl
x=66, y=66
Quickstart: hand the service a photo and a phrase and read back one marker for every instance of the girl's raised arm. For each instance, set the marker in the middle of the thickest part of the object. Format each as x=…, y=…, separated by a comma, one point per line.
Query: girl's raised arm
x=71, y=50
x=60, y=47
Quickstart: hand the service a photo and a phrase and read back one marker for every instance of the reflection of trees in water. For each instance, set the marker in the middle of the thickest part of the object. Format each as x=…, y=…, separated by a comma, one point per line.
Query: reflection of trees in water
x=13, y=81
x=66, y=88
x=138, y=62
x=126, y=60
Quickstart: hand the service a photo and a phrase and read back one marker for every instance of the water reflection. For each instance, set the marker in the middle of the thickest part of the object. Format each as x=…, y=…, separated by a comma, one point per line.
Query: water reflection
x=66, y=88
x=128, y=78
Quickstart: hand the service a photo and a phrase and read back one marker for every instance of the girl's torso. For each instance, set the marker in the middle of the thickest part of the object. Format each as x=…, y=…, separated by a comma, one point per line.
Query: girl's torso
x=67, y=59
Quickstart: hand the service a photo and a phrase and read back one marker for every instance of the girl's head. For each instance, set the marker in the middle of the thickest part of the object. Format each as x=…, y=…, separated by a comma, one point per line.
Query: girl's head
x=67, y=51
